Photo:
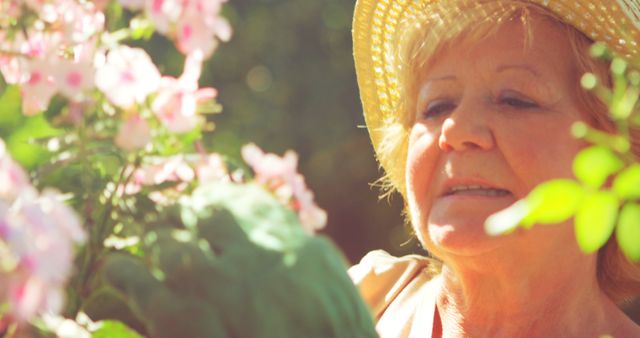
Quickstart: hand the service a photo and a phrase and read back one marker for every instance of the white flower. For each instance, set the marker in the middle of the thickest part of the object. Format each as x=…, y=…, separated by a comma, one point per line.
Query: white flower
x=128, y=76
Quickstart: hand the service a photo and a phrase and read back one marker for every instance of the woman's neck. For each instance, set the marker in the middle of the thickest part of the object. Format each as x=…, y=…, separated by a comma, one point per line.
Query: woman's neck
x=560, y=298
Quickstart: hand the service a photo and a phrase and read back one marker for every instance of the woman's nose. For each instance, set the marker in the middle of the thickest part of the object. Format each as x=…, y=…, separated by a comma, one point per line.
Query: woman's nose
x=466, y=129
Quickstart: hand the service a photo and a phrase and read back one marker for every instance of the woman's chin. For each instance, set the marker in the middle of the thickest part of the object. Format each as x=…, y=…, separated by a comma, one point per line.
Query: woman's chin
x=460, y=238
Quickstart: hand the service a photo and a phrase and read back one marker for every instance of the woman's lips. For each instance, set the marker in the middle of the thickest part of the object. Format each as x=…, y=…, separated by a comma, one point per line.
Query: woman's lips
x=475, y=190
x=471, y=189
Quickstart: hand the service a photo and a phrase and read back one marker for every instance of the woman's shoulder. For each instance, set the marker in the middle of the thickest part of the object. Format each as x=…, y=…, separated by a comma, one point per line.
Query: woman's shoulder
x=382, y=277
x=381, y=264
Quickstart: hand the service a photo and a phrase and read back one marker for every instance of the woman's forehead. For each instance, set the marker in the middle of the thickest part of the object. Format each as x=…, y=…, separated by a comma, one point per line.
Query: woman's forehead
x=539, y=46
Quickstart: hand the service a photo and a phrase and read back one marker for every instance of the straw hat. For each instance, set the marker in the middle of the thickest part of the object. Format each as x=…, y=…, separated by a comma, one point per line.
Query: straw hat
x=379, y=24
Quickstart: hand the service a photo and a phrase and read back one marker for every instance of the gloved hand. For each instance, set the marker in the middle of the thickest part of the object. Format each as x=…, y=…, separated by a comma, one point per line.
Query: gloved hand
x=241, y=267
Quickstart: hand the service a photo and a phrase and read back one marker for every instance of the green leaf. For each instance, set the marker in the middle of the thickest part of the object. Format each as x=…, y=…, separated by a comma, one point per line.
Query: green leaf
x=3, y=85
x=593, y=165
x=114, y=12
x=600, y=50
x=106, y=304
x=618, y=66
x=627, y=183
x=114, y=329
x=10, y=110
x=141, y=28
x=628, y=231
x=595, y=220
x=268, y=223
x=623, y=106
x=589, y=81
x=553, y=202
x=506, y=220
x=21, y=145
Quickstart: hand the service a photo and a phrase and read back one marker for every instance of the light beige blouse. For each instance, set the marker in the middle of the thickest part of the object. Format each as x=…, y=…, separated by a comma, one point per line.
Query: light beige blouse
x=401, y=292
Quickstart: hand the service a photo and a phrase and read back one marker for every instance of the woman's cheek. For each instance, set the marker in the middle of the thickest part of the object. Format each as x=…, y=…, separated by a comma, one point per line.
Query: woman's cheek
x=540, y=157
x=421, y=162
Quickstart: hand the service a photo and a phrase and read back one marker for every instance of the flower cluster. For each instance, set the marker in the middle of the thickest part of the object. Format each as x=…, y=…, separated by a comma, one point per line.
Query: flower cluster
x=55, y=55
x=195, y=25
x=37, y=235
x=65, y=50
x=178, y=171
x=124, y=134
x=279, y=175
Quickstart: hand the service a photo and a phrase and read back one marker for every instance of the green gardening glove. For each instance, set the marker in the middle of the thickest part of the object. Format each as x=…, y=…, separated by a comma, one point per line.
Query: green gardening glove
x=241, y=266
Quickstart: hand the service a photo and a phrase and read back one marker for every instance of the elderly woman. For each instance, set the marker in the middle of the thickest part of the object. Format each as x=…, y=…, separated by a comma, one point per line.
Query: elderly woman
x=469, y=106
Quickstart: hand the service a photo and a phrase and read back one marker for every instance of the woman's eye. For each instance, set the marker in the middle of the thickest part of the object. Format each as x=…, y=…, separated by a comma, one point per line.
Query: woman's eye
x=518, y=102
x=438, y=107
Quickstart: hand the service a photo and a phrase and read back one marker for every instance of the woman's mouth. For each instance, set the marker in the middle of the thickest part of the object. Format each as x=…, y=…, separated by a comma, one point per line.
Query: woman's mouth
x=475, y=190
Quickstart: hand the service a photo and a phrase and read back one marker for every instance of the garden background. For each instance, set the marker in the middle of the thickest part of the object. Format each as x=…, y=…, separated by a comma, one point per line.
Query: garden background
x=286, y=80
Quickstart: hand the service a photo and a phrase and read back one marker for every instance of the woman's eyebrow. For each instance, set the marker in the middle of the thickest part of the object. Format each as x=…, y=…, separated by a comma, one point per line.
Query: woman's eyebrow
x=439, y=78
x=524, y=67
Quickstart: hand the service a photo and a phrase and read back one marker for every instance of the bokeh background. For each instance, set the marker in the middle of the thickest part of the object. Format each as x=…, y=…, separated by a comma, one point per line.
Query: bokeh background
x=286, y=80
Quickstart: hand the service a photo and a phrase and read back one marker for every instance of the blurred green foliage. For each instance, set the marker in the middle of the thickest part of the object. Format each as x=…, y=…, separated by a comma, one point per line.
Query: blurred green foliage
x=221, y=259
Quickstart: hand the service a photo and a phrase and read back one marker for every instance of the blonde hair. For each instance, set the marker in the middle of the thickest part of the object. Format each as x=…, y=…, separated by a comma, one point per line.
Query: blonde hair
x=417, y=47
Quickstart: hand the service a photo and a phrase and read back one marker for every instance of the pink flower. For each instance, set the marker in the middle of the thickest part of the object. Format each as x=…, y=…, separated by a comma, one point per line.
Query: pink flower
x=62, y=215
x=13, y=180
x=128, y=76
x=81, y=21
x=268, y=167
x=280, y=176
x=211, y=168
x=177, y=101
x=74, y=78
x=134, y=134
x=164, y=13
x=37, y=234
x=196, y=34
x=40, y=232
x=42, y=45
x=42, y=240
x=170, y=169
x=195, y=25
x=312, y=217
x=35, y=75
x=175, y=106
x=39, y=88
x=30, y=295
x=77, y=21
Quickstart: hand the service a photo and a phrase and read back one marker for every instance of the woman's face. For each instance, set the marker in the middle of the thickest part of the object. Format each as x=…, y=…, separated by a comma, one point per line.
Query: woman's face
x=492, y=121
